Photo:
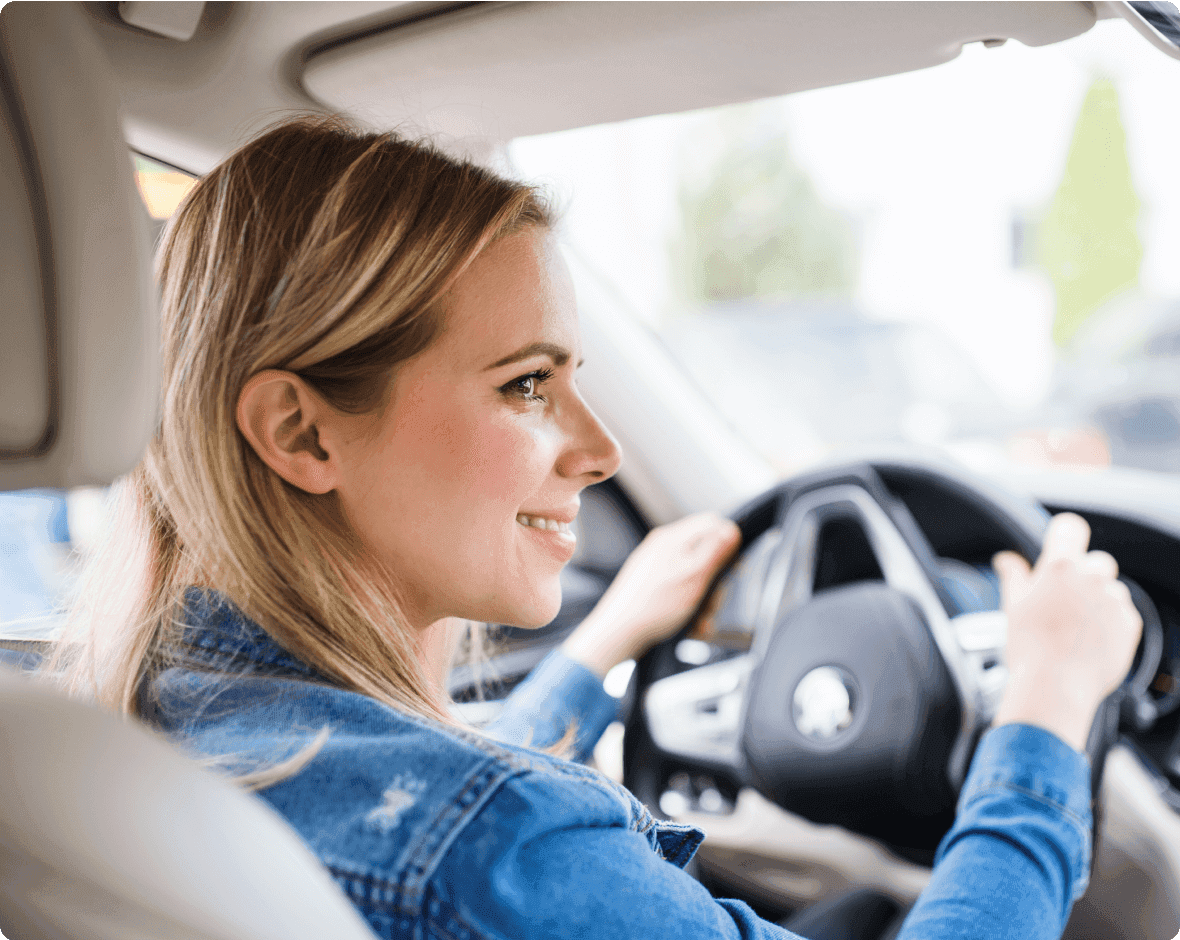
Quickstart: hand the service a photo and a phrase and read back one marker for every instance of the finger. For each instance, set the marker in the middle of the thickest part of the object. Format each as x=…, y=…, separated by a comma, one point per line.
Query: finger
x=1067, y=537
x=1121, y=594
x=729, y=544
x=1014, y=574
x=705, y=623
x=710, y=532
x=716, y=548
x=1102, y=563
x=729, y=535
x=695, y=526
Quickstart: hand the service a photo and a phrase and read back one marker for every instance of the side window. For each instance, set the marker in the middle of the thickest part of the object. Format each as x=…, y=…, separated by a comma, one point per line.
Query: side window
x=34, y=559
x=44, y=535
x=162, y=188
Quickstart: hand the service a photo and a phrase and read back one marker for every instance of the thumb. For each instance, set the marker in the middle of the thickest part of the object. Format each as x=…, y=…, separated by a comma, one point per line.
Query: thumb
x=1014, y=574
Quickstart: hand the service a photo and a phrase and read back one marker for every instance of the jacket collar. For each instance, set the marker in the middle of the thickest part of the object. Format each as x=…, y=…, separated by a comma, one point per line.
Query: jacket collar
x=217, y=634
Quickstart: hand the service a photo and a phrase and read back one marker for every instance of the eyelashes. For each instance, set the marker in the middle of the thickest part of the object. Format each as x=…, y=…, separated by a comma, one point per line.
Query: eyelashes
x=526, y=387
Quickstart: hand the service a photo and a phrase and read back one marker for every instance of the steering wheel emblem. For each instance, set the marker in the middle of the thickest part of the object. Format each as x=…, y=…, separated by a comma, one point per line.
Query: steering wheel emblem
x=822, y=705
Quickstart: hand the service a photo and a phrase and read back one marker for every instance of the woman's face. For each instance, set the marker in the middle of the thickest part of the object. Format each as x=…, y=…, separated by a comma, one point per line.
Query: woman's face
x=466, y=484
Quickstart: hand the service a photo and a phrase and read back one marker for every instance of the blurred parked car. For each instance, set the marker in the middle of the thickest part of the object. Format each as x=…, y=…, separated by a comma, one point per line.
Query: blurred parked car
x=1121, y=373
x=819, y=378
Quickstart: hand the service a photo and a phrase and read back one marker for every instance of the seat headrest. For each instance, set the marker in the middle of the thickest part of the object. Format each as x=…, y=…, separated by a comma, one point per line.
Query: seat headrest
x=78, y=319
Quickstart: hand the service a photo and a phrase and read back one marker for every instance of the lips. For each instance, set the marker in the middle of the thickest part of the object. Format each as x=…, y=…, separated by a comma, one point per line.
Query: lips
x=541, y=522
x=552, y=530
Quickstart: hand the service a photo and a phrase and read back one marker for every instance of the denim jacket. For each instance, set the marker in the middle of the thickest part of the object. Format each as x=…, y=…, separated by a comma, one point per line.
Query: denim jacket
x=446, y=834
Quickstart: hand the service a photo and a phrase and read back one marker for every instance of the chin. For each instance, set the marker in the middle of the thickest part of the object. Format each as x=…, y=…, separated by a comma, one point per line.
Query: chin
x=537, y=610
x=536, y=618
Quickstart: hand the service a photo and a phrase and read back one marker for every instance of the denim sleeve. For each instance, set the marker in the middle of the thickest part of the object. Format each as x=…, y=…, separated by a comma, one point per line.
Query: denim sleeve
x=540, y=862
x=558, y=695
x=1018, y=855
x=553, y=858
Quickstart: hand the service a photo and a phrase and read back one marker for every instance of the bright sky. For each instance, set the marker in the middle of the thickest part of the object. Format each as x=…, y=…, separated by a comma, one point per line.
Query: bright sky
x=933, y=166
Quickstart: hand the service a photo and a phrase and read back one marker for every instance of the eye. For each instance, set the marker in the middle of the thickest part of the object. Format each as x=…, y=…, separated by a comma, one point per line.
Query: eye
x=527, y=387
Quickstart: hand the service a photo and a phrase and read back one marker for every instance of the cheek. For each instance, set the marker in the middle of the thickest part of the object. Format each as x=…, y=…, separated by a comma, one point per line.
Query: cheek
x=502, y=462
x=449, y=484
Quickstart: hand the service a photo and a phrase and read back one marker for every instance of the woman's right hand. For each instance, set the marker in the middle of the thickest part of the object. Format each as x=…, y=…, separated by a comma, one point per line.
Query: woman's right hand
x=658, y=588
x=1072, y=632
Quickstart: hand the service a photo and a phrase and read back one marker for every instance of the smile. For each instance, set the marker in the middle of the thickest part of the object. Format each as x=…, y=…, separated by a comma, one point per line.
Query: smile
x=540, y=522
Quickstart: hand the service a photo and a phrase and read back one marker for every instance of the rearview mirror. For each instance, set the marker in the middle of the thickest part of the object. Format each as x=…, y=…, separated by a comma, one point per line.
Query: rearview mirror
x=1158, y=20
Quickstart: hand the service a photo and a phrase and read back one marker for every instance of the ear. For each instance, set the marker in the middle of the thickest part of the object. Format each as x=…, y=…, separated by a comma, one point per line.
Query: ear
x=283, y=420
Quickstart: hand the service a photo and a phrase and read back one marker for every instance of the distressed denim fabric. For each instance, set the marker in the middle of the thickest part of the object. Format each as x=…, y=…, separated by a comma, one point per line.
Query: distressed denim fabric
x=436, y=833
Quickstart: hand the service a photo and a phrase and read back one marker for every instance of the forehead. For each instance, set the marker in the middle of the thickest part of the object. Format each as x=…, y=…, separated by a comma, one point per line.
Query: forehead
x=515, y=293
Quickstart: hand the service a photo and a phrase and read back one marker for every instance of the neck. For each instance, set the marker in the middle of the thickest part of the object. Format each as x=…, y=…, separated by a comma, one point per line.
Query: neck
x=437, y=646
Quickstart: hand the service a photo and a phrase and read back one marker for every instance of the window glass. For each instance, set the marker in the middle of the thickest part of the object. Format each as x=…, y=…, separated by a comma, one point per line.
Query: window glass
x=161, y=187
x=34, y=557
x=978, y=257
x=44, y=536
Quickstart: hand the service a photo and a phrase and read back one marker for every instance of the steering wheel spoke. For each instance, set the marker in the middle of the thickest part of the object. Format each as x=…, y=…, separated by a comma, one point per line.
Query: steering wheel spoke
x=697, y=715
x=983, y=637
x=901, y=570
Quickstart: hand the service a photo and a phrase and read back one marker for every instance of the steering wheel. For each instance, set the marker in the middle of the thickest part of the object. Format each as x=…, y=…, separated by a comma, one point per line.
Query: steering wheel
x=860, y=703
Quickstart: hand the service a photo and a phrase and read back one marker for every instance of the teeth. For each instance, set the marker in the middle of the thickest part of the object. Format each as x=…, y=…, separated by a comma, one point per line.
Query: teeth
x=539, y=522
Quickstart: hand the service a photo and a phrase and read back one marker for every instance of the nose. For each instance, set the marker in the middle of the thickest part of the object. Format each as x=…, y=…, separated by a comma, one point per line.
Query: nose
x=592, y=451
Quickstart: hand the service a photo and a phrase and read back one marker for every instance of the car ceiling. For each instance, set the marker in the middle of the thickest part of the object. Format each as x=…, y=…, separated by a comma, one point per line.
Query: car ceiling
x=486, y=71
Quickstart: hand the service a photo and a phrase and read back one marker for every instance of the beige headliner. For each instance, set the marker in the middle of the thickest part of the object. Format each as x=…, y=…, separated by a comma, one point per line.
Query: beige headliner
x=505, y=69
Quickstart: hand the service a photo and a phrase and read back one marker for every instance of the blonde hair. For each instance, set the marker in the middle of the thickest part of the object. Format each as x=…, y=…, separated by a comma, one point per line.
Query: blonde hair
x=326, y=252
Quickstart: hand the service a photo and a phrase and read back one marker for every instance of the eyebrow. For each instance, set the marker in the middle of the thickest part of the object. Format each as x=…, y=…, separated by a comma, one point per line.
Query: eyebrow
x=559, y=354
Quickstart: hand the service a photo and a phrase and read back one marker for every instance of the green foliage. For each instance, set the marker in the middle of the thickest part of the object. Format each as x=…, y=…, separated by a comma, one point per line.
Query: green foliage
x=1088, y=242
x=756, y=228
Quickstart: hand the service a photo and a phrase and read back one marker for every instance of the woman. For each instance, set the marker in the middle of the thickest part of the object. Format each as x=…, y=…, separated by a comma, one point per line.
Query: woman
x=371, y=426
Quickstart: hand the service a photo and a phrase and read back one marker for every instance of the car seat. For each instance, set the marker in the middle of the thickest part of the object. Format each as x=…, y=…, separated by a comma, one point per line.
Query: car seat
x=106, y=831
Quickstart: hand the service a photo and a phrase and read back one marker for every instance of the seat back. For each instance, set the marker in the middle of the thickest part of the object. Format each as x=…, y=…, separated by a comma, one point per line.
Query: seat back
x=107, y=833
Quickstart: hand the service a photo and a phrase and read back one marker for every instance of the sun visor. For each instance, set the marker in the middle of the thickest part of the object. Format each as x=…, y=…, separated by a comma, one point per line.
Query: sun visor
x=462, y=74
x=78, y=358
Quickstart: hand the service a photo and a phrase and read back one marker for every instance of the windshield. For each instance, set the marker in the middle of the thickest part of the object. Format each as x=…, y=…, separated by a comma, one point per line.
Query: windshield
x=978, y=257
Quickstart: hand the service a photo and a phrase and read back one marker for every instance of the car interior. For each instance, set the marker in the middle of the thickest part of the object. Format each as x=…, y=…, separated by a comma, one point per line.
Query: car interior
x=880, y=562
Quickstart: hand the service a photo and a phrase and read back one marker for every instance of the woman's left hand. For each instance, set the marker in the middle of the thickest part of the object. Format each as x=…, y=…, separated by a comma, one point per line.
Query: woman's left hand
x=657, y=589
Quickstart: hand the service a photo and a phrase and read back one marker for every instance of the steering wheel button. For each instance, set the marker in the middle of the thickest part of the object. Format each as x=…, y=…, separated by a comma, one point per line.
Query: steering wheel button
x=986, y=630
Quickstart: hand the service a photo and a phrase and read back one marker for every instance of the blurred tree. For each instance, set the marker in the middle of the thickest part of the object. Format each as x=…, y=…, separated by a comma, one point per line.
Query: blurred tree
x=1088, y=242
x=756, y=228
